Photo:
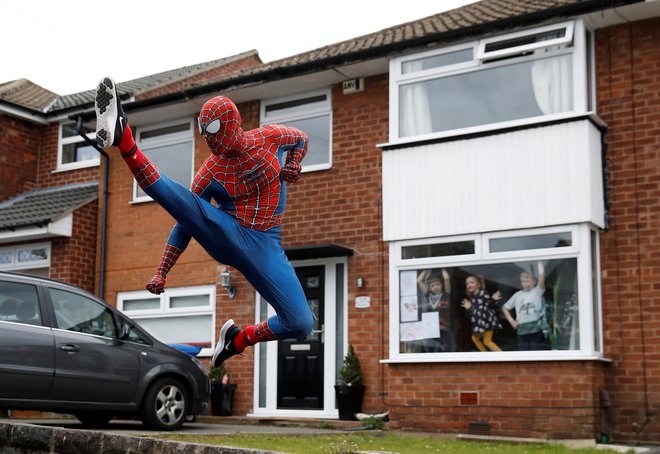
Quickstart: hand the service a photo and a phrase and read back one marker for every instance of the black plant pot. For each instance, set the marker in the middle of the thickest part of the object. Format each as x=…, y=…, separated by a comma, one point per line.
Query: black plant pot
x=222, y=399
x=349, y=400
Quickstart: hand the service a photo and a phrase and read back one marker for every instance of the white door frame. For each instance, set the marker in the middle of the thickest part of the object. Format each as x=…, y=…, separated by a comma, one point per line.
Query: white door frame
x=329, y=410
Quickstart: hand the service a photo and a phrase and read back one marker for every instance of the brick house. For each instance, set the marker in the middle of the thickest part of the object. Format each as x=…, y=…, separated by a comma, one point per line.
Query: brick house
x=492, y=140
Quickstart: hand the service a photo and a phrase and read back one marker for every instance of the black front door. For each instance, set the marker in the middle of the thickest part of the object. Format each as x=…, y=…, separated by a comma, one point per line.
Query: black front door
x=300, y=361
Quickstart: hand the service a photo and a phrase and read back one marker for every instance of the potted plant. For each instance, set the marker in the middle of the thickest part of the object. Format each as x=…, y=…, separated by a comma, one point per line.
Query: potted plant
x=350, y=390
x=222, y=392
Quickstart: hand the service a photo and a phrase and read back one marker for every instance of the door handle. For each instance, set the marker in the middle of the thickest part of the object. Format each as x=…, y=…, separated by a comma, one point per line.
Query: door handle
x=69, y=348
x=322, y=331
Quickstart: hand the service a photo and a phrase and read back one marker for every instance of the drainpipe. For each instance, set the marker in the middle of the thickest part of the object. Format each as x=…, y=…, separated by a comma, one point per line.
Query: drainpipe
x=104, y=205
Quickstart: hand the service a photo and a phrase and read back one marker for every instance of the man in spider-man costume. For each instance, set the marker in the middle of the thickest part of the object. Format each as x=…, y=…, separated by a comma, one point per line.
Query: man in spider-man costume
x=245, y=175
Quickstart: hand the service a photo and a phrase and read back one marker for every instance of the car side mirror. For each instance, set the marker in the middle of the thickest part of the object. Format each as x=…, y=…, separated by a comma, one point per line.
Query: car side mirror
x=124, y=331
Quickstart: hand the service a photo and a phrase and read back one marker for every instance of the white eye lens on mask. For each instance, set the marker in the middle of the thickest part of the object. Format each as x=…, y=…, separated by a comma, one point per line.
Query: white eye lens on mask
x=211, y=128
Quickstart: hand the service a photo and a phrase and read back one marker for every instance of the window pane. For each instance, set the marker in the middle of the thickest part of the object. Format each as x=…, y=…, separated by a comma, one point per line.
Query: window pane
x=318, y=131
x=74, y=312
x=77, y=152
x=180, y=330
x=189, y=301
x=445, y=310
x=19, y=303
x=142, y=304
x=437, y=61
x=162, y=133
x=32, y=255
x=6, y=257
x=69, y=130
x=525, y=40
x=521, y=90
x=437, y=250
x=522, y=243
x=175, y=161
x=296, y=105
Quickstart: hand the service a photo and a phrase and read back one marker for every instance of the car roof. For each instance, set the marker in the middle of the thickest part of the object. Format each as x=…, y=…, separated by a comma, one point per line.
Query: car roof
x=31, y=277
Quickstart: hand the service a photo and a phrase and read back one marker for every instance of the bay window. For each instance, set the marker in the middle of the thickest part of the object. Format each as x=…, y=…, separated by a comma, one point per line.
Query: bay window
x=544, y=278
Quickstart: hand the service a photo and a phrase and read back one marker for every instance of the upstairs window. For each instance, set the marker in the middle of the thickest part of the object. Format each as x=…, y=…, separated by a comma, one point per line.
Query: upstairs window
x=72, y=151
x=495, y=82
x=171, y=147
x=311, y=114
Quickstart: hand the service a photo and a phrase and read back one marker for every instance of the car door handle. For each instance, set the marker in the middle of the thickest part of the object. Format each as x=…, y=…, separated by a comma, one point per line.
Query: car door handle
x=69, y=348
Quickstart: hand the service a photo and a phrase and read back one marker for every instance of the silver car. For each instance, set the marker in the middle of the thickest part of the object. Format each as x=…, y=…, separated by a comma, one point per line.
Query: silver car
x=64, y=350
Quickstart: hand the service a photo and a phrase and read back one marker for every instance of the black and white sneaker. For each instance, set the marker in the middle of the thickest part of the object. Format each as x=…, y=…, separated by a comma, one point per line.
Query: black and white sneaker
x=226, y=348
x=110, y=117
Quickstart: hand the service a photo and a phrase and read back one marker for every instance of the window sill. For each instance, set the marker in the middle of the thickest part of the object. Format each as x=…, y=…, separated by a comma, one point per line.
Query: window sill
x=488, y=130
x=77, y=166
x=493, y=357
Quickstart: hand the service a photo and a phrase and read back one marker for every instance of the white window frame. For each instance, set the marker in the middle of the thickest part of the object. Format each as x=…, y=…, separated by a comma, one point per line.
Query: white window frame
x=164, y=309
x=62, y=141
x=303, y=113
x=16, y=265
x=171, y=139
x=567, y=38
x=575, y=31
x=580, y=249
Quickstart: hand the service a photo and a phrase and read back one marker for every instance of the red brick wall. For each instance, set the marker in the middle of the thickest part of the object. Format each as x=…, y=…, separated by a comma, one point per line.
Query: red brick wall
x=628, y=83
x=526, y=399
x=28, y=160
x=73, y=259
x=19, y=149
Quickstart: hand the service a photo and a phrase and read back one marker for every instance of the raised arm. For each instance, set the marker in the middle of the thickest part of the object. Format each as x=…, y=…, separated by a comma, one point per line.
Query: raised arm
x=421, y=282
x=447, y=281
x=541, y=271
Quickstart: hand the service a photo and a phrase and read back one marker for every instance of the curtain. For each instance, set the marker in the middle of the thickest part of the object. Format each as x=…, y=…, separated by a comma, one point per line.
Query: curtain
x=414, y=109
x=551, y=79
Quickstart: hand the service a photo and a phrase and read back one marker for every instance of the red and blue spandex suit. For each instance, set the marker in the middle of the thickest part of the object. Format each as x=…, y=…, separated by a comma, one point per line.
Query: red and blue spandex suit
x=246, y=176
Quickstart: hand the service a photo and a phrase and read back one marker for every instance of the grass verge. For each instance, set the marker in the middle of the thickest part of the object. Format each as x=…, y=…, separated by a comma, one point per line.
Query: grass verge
x=375, y=441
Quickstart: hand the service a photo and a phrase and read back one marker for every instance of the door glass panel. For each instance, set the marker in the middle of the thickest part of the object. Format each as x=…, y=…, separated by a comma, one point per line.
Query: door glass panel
x=314, y=305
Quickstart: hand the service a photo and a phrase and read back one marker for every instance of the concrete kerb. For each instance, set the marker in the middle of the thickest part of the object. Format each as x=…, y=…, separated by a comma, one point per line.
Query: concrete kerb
x=20, y=438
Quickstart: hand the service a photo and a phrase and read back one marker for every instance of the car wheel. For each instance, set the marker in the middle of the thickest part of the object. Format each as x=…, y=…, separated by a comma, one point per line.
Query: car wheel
x=165, y=405
x=94, y=418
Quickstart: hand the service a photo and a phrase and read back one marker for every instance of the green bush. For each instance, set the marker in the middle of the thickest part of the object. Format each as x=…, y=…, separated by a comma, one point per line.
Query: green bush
x=351, y=371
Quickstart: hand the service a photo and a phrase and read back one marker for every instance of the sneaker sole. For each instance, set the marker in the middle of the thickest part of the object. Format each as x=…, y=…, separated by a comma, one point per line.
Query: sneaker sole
x=105, y=105
x=221, y=343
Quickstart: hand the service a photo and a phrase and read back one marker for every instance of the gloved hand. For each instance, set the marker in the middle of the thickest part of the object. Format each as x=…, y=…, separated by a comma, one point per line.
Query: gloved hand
x=156, y=284
x=291, y=172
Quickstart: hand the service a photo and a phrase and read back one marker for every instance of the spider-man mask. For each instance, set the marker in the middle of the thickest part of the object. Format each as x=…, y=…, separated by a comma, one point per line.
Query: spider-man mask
x=220, y=123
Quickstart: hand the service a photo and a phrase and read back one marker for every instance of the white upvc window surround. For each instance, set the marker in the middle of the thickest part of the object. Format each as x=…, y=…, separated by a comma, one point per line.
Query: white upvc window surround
x=182, y=315
x=72, y=150
x=171, y=147
x=560, y=92
x=311, y=113
x=580, y=250
x=25, y=257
